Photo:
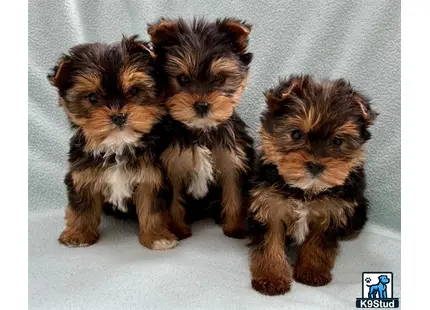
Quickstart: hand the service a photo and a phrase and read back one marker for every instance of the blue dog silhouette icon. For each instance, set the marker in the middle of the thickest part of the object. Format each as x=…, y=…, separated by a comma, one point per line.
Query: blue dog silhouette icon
x=380, y=288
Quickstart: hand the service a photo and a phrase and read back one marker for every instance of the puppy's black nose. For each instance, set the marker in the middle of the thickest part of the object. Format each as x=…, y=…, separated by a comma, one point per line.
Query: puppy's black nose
x=202, y=108
x=315, y=168
x=119, y=119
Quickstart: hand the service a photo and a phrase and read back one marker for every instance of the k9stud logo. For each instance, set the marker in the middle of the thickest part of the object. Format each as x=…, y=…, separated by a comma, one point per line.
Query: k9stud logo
x=377, y=291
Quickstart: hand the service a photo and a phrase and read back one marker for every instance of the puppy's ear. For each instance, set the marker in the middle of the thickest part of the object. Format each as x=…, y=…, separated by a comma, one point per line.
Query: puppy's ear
x=238, y=32
x=163, y=32
x=133, y=45
x=59, y=76
x=277, y=98
x=346, y=89
x=369, y=115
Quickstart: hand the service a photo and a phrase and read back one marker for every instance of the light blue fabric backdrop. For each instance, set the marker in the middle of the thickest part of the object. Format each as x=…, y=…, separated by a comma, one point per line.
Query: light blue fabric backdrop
x=357, y=40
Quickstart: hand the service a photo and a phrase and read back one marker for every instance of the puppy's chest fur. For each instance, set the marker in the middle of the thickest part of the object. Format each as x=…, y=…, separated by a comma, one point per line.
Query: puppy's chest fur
x=202, y=172
x=301, y=216
x=120, y=181
x=116, y=177
x=196, y=167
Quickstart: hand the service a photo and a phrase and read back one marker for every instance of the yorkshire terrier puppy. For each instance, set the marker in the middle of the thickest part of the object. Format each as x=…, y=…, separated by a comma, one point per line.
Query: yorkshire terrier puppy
x=109, y=94
x=310, y=181
x=203, y=68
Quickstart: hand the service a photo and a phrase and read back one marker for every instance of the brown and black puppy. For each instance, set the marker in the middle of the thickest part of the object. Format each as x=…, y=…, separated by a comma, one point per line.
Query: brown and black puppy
x=109, y=94
x=203, y=69
x=310, y=181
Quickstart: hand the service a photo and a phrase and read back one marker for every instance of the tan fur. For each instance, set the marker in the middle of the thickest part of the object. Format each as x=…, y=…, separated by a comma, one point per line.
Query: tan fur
x=177, y=213
x=267, y=204
x=292, y=167
x=93, y=183
x=153, y=226
x=270, y=270
x=112, y=171
x=363, y=108
x=238, y=94
x=222, y=107
x=338, y=169
x=87, y=82
x=288, y=91
x=241, y=31
x=95, y=121
x=269, y=267
x=55, y=80
x=75, y=119
x=311, y=119
x=176, y=66
x=142, y=118
x=181, y=107
x=316, y=260
x=229, y=164
x=180, y=164
x=132, y=76
x=224, y=65
x=270, y=152
x=82, y=227
x=270, y=205
x=349, y=128
x=181, y=104
x=95, y=179
x=88, y=178
x=98, y=127
x=315, y=142
x=157, y=31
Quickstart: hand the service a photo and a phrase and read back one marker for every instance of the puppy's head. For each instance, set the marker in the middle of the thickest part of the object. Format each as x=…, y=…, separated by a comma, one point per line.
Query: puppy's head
x=204, y=67
x=314, y=131
x=109, y=91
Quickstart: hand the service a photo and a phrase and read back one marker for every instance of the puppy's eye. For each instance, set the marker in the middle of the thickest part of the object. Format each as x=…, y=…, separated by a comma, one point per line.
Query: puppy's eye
x=183, y=80
x=296, y=134
x=132, y=91
x=337, y=141
x=219, y=79
x=92, y=97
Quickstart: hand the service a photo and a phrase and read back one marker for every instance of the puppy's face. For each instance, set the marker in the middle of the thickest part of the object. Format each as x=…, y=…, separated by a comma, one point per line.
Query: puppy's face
x=315, y=131
x=204, y=67
x=109, y=91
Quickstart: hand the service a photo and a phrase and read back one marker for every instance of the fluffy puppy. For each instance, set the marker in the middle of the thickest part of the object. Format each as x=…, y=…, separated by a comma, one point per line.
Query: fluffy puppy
x=310, y=181
x=203, y=69
x=109, y=94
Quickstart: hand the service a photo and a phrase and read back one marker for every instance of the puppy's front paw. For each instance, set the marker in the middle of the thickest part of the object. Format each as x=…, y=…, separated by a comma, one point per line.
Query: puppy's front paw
x=312, y=276
x=272, y=286
x=159, y=242
x=71, y=238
